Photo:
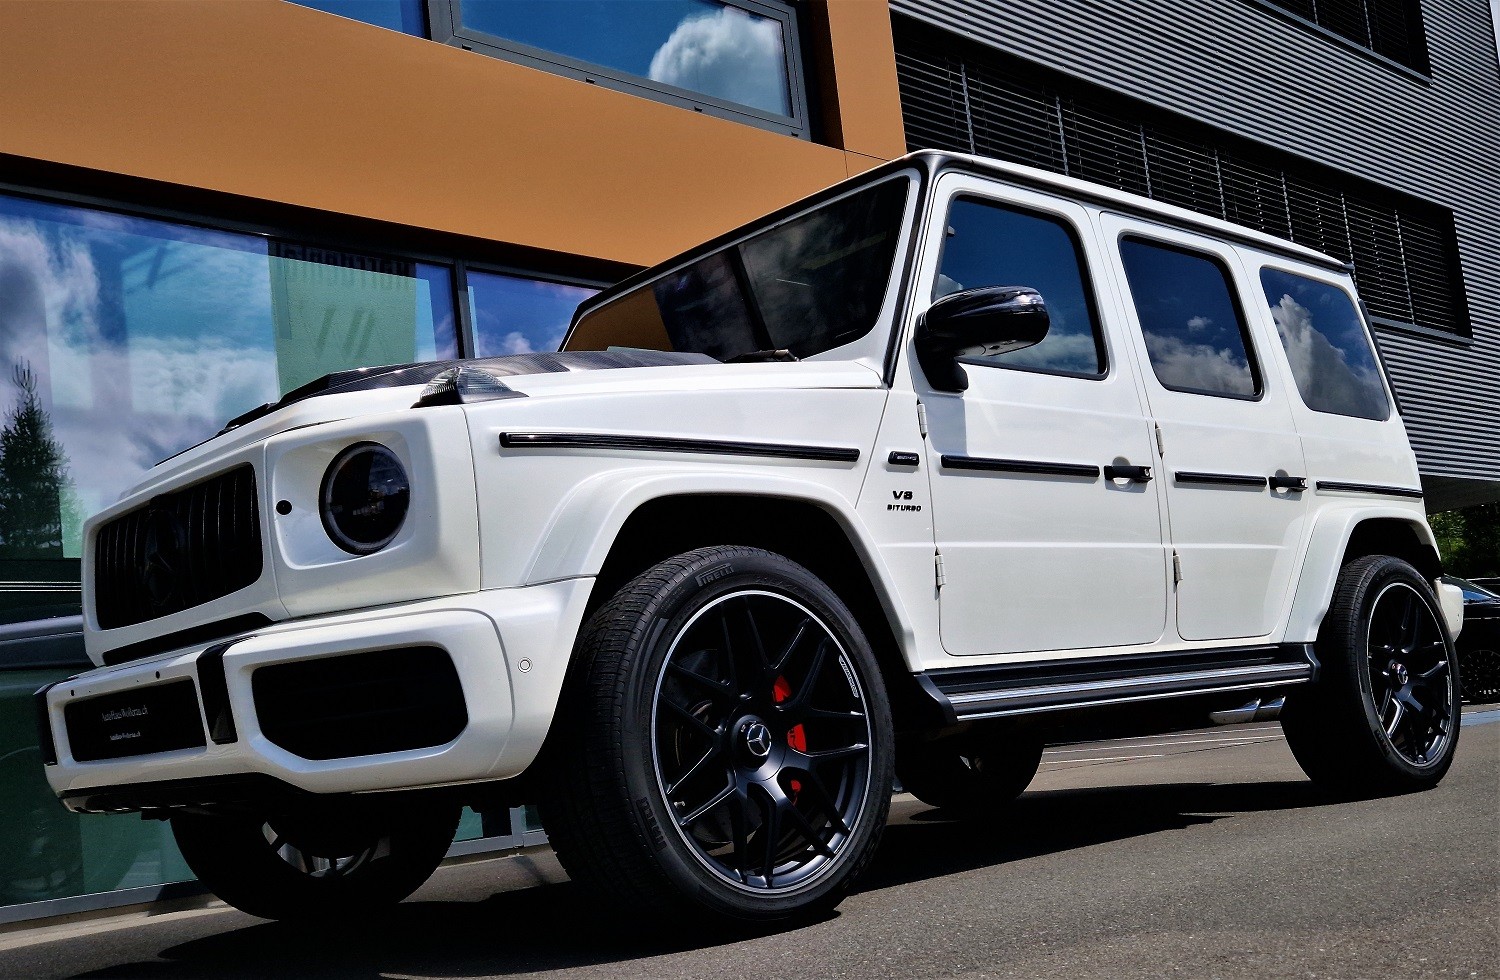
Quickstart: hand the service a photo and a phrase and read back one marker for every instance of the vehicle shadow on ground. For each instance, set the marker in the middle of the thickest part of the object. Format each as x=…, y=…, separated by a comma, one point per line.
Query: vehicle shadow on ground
x=554, y=926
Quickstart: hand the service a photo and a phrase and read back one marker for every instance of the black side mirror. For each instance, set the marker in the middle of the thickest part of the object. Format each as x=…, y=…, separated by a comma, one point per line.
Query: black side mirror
x=977, y=323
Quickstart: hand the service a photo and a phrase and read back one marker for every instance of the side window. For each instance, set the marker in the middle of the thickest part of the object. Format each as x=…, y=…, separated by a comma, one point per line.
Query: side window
x=1195, y=333
x=991, y=245
x=1326, y=345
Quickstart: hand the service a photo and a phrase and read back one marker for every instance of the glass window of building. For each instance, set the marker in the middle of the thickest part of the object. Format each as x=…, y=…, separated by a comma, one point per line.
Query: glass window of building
x=734, y=57
x=406, y=16
x=516, y=315
x=1194, y=332
x=1326, y=345
x=991, y=245
x=124, y=340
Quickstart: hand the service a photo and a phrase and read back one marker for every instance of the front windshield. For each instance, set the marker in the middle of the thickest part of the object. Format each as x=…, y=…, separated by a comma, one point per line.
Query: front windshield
x=806, y=286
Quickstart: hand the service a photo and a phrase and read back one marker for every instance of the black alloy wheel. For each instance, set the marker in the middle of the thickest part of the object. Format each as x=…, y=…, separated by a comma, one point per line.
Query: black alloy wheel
x=1383, y=716
x=724, y=745
x=760, y=740
x=1408, y=663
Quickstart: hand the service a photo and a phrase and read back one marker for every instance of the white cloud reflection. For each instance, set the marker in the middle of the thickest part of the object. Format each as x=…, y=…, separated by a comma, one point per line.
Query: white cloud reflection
x=728, y=54
x=1325, y=378
x=1201, y=367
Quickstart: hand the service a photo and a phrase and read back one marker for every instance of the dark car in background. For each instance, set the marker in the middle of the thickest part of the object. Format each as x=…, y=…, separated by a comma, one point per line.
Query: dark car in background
x=1479, y=643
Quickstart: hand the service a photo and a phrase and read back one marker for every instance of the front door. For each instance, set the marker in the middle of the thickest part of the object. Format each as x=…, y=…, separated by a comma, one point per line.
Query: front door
x=1039, y=549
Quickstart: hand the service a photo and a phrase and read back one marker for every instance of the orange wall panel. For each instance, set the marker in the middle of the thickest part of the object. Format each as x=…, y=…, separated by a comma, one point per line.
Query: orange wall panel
x=274, y=101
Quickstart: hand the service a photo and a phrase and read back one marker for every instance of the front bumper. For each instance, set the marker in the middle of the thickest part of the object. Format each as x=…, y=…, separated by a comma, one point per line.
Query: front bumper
x=508, y=647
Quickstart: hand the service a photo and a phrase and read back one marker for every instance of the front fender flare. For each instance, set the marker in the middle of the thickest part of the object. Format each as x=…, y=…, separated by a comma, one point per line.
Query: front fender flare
x=583, y=529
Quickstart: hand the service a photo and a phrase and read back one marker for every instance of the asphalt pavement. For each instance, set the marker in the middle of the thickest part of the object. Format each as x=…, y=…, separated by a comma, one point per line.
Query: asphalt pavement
x=1204, y=854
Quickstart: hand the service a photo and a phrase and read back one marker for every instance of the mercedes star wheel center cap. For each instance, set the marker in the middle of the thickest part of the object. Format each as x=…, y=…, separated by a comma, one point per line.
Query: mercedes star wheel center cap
x=758, y=739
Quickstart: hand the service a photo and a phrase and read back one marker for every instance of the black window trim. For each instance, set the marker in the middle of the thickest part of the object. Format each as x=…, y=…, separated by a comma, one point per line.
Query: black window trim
x=445, y=25
x=1086, y=277
x=1251, y=353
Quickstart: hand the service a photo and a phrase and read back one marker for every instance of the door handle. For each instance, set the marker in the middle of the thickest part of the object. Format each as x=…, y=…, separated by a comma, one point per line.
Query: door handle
x=1296, y=484
x=1135, y=474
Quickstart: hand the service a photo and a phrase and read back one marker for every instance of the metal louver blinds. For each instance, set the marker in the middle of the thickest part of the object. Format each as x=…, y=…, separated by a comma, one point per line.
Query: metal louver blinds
x=961, y=97
x=1392, y=28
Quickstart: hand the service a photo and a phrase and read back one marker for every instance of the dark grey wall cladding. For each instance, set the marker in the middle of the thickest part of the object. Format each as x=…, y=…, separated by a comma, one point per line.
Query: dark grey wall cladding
x=1247, y=69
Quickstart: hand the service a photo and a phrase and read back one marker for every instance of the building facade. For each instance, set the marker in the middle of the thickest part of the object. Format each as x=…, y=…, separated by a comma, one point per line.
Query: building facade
x=206, y=204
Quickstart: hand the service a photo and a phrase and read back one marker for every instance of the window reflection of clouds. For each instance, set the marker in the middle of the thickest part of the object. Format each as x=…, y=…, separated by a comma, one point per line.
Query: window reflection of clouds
x=991, y=245
x=1193, y=330
x=146, y=336
x=1325, y=344
x=515, y=315
x=729, y=54
x=700, y=45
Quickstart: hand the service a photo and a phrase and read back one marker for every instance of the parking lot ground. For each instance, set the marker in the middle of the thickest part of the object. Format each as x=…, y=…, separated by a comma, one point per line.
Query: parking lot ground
x=1204, y=854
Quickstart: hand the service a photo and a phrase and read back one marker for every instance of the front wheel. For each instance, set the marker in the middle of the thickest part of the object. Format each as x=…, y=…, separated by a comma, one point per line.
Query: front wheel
x=1383, y=717
x=304, y=865
x=725, y=745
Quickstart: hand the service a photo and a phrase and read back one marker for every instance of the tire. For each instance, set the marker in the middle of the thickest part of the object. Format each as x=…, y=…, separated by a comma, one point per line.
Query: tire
x=332, y=865
x=1383, y=716
x=978, y=773
x=724, y=746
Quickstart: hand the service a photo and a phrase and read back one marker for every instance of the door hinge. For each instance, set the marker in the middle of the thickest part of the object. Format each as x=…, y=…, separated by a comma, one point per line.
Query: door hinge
x=922, y=419
x=937, y=562
x=1161, y=447
x=1176, y=568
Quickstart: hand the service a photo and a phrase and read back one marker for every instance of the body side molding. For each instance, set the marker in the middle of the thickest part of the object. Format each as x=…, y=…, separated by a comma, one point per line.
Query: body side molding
x=1337, y=486
x=666, y=444
x=1036, y=467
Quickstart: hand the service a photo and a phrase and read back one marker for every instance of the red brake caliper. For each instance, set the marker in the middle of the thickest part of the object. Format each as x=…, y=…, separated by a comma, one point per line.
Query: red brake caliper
x=797, y=736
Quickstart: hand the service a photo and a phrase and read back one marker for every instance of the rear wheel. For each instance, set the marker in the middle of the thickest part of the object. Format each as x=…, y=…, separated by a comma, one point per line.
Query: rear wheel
x=973, y=772
x=330, y=864
x=726, y=743
x=1383, y=716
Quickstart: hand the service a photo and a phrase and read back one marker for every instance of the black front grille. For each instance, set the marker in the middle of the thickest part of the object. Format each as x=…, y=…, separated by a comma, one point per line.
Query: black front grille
x=180, y=551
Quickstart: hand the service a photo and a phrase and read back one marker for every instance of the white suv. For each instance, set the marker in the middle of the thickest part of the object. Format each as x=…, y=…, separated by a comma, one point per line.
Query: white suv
x=949, y=460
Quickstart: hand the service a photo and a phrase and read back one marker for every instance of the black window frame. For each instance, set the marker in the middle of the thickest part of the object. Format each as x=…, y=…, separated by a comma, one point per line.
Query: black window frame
x=445, y=25
x=1252, y=356
x=1086, y=279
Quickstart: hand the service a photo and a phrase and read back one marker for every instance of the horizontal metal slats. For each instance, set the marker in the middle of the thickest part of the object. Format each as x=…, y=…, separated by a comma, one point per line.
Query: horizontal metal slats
x=965, y=97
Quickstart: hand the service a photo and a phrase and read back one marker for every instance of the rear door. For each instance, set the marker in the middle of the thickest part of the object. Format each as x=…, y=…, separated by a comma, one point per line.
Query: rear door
x=1232, y=465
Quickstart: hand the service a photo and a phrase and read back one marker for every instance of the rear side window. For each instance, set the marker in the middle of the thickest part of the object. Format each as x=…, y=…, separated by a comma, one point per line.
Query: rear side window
x=1327, y=346
x=1195, y=333
x=990, y=245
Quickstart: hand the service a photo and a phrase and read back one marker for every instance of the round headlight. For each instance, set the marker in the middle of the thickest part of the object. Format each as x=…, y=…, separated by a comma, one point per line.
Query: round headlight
x=364, y=498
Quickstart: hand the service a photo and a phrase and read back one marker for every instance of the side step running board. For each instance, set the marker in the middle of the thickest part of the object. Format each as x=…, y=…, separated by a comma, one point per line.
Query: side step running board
x=996, y=691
